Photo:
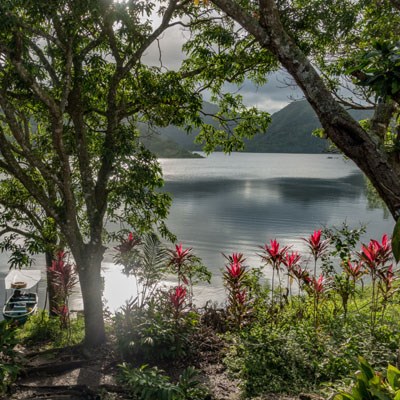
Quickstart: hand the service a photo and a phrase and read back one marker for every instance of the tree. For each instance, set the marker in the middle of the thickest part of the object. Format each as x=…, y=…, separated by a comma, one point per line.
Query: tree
x=321, y=43
x=73, y=89
x=26, y=230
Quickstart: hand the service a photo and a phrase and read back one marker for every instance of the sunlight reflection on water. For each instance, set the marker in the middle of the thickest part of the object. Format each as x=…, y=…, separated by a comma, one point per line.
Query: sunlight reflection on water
x=233, y=204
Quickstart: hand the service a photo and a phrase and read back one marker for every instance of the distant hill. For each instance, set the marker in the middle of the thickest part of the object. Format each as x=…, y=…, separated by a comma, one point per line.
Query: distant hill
x=289, y=132
x=163, y=147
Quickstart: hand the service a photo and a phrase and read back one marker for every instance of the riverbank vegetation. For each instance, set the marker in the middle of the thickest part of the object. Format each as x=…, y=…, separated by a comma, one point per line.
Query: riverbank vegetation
x=301, y=331
x=74, y=87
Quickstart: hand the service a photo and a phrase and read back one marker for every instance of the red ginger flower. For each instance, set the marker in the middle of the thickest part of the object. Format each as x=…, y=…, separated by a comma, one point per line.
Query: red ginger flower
x=235, y=269
x=128, y=244
x=316, y=245
x=319, y=285
x=291, y=260
x=273, y=254
x=178, y=296
x=178, y=261
x=376, y=254
x=180, y=255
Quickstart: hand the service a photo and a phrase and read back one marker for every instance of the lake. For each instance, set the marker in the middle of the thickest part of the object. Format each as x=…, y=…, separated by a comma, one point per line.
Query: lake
x=225, y=204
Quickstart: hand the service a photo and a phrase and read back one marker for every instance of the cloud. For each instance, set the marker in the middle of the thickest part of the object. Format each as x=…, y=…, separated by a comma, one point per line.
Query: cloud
x=278, y=92
x=167, y=52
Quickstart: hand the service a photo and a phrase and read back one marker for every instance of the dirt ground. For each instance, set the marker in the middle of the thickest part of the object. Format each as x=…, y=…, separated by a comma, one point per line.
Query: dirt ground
x=73, y=374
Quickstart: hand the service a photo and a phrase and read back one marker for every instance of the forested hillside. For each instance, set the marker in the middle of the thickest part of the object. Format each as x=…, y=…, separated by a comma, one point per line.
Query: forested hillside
x=290, y=131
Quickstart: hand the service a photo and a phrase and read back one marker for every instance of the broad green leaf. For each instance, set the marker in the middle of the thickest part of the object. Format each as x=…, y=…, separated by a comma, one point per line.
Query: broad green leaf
x=366, y=369
x=397, y=396
x=393, y=377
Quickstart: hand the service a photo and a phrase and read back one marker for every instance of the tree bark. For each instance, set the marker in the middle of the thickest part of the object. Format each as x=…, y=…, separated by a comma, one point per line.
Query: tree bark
x=363, y=148
x=89, y=268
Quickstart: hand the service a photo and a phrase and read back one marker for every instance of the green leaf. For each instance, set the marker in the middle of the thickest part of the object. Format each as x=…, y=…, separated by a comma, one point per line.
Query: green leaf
x=393, y=377
x=344, y=396
x=397, y=396
x=366, y=369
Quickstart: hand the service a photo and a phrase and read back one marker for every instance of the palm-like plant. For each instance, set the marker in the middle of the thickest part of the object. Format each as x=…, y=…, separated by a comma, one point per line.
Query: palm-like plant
x=188, y=268
x=235, y=277
x=274, y=255
x=63, y=278
x=146, y=260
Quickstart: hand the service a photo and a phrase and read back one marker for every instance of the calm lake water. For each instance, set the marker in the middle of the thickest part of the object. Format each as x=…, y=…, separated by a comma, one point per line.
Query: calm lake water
x=225, y=204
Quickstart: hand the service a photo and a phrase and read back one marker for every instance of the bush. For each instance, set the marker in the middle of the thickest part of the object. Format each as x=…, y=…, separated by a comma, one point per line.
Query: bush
x=155, y=332
x=43, y=329
x=370, y=385
x=9, y=366
x=291, y=356
x=150, y=383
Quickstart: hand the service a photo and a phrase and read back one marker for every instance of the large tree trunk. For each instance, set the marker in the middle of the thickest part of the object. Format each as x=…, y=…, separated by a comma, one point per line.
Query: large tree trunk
x=363, y=148
x=89, y=267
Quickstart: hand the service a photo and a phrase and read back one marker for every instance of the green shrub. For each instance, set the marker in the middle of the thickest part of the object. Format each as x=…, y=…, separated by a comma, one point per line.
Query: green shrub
x=9, y=366
x=291, y=356
x=155, y=332
x=370, y=385
x=147, y=383
x=43, y=329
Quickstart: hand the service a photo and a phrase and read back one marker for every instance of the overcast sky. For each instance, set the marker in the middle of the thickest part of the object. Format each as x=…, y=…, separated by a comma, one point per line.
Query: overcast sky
x=276, y=94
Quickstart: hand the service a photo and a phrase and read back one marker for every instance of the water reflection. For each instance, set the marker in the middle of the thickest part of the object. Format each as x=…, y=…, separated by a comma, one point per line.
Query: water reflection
x=226, y=204
x=226, y=215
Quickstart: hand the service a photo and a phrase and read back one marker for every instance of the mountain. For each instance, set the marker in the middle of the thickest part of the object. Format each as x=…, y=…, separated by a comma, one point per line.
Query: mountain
x=289, y=132
x=163, y=147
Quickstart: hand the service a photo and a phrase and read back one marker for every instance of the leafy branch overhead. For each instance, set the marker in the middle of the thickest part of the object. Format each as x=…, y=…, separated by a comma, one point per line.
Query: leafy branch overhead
x=341, y=54
x=73, y=89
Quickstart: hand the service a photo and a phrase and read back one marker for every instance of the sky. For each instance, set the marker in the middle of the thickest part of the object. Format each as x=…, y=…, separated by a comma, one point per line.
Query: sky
x=271, y=97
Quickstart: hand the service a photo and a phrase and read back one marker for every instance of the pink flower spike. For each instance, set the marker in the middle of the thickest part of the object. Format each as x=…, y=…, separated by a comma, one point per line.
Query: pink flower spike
x=315, y=238
x=273, y=254
x=316, y=245
x=319, y=285
x=291, y=260
x=177, y=296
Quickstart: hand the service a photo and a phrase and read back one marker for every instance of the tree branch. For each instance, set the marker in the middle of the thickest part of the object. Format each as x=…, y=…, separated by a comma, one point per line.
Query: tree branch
x=172, y=6
x=11, y=165
x=9, y=113
x=46, y=64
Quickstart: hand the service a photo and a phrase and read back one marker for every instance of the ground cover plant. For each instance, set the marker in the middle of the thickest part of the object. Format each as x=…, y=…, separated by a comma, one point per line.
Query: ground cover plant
x=9, y=363
x=324, y=314
x=303, y=330
x=310, y=339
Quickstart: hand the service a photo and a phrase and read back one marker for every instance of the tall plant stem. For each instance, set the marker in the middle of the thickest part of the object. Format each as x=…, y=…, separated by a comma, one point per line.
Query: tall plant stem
x=272, y=284
x=279, y=286
x=315, y=294
x=374, y=304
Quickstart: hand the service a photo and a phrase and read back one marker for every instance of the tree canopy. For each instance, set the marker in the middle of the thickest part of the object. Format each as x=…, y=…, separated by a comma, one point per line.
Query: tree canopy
x=327, y=46
x=73, y=89
x=74, y=86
